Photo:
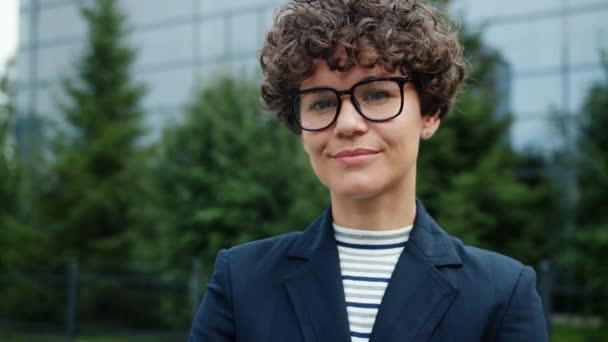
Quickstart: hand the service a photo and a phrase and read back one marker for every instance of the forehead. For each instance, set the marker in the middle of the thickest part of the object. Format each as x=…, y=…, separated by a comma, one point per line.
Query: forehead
x=324, y=76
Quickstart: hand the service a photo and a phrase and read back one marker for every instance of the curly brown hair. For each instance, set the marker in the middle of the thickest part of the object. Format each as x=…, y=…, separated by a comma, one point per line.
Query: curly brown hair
x=404, y=35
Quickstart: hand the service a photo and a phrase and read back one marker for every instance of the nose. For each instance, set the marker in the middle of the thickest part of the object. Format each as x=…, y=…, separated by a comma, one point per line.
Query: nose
x=349, y=122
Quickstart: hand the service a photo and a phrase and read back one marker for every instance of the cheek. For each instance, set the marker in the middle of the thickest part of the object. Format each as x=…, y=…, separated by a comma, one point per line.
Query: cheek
x=312, y=142
x=314, y=146
x=403, y=142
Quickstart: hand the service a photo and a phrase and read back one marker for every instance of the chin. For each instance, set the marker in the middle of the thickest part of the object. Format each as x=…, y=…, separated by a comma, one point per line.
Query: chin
x=355, y=191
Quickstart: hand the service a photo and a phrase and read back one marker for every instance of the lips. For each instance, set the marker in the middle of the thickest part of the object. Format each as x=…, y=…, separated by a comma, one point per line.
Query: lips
x=354, y=153
x=354, y=158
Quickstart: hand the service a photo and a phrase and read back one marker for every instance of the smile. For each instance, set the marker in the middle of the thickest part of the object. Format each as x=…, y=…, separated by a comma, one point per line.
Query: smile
x=354, y=157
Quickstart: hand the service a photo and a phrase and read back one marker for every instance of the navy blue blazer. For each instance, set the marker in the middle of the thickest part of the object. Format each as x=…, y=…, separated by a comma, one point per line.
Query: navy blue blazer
x=288, y=288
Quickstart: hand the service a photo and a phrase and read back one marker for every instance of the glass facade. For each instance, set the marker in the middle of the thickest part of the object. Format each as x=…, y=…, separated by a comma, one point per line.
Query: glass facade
x=180, y=43
x=551, y=51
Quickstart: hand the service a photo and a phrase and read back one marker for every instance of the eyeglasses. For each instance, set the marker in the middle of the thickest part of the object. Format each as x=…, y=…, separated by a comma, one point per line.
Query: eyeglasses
x=376, y=99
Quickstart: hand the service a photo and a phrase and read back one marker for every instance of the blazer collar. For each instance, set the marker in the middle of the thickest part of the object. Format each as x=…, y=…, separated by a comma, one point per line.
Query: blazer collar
x=414, y=302
x=315, y=289
x=432, y=241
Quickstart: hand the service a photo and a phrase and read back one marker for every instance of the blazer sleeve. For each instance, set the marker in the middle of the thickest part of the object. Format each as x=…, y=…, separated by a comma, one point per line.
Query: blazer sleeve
x=523, y=319
x=214, y=319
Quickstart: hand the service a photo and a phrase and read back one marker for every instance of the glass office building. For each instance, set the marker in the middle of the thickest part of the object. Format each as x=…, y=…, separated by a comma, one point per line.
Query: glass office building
x=180, y=43
x=551, y=48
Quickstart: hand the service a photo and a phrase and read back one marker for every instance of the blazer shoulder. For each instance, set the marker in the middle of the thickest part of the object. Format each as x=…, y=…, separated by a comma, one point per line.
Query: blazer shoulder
x=489, y=265
x=484, y=256
x=506, y=288
x=266, y=251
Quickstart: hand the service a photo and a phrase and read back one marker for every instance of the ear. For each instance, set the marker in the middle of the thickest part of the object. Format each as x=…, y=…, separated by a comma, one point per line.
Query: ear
x=430, y=124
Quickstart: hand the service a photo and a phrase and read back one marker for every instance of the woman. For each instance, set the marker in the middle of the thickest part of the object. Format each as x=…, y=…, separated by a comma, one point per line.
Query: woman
x=361, y=83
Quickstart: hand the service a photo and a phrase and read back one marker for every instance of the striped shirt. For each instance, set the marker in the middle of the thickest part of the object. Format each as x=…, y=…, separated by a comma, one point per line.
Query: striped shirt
x=367, y=261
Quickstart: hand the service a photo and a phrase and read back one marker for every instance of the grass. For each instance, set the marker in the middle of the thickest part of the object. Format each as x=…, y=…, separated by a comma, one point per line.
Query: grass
x=24, y=337
x=563, y=332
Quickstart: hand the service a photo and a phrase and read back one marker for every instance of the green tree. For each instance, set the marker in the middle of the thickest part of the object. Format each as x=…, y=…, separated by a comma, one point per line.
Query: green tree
x=93, y=172
x=229, y=174
x=592, y=176
x=472, y=180
x=225, y=174
x=23, y=248
x=89, y=198
x=8, y=173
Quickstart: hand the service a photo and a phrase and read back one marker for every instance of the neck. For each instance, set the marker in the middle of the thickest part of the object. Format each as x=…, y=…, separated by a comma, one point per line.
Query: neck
x=392, y=209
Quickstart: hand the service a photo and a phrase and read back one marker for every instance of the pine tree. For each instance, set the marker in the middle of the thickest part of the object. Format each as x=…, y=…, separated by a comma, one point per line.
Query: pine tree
x=93, y=174
x=23, y=248
x=8, y=187
x=226, y=173
x=475, y=184
x=89, y=198
x=592, y=175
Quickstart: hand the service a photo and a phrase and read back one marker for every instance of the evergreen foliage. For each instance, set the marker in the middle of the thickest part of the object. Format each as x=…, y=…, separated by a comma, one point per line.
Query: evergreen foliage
x=11, y=230
x=7, y=188
x=88, y=199
x=23, y=248
x=592, y=175
x=227, y=174
x=93, y=172
x=475, y=184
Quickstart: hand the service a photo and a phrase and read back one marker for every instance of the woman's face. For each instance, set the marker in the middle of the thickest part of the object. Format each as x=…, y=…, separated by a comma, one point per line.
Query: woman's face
x=357, y=158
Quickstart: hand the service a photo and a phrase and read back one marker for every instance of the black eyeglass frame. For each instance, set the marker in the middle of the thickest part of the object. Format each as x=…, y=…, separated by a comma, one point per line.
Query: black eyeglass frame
x=400, y=80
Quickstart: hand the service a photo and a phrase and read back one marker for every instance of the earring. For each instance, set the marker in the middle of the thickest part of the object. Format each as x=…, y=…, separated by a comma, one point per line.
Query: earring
x=427, y=133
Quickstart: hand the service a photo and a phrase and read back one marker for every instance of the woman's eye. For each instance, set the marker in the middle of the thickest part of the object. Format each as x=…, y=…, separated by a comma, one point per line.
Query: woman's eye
x=376, y=95
x=322, y=105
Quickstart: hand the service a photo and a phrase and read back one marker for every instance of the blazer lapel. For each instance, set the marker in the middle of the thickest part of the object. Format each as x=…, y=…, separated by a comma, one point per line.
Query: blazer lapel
x=418, y=295
x=315, y=288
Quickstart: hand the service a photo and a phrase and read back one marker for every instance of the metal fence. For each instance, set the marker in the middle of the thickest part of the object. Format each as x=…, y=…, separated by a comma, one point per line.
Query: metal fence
x=69, y=292
x=568, y=303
